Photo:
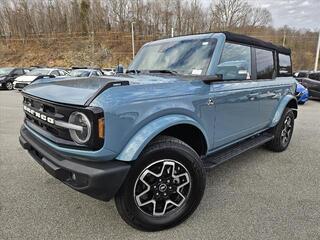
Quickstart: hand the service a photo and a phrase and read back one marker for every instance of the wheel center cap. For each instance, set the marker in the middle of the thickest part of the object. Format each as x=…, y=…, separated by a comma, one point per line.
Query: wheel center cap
x=162, y=187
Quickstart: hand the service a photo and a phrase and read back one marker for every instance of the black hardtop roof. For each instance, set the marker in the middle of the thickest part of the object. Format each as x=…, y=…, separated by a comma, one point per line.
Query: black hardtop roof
x=239, y=38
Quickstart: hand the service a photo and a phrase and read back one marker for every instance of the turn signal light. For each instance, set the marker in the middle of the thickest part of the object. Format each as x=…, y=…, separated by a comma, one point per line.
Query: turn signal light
x=101, y=127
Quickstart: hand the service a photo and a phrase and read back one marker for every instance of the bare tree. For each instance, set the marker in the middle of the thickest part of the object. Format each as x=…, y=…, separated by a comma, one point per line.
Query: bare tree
x=230, y=14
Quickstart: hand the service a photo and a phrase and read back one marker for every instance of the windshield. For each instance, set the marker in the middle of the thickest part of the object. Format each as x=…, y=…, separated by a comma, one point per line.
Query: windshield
x=5, y=71
x=188, y=57
x=38, y=72
x=79, y=73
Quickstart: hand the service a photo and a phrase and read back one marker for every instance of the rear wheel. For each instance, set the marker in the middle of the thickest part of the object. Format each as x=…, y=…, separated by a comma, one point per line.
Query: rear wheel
x=282, y=132
x=9, y=85
x=164, y=186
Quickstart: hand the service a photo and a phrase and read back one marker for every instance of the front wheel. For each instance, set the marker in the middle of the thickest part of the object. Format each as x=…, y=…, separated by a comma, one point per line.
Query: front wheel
x=9, y=85
x=282, y=132
x=164, y=186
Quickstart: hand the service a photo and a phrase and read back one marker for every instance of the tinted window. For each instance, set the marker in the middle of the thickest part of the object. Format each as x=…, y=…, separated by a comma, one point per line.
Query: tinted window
x=302, y=75
x=285, y=67
x=265, y=64
x=315, y=76
x=18, y=71
x=235, y=62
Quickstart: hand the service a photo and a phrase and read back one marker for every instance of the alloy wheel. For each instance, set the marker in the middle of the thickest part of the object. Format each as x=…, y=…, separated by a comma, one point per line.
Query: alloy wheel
x=9, y=85
x=286, y=131
x=162, y=187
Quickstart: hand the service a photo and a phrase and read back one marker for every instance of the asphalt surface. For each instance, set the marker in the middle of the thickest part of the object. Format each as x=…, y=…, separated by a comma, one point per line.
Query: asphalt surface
x=258, y=195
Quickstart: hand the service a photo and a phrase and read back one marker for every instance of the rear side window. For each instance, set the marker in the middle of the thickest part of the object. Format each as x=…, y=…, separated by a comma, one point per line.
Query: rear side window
x=285, y=66
x=315, y=76
x=302, y=75
x=235, y=62
x=265, y=64
x=18, y=71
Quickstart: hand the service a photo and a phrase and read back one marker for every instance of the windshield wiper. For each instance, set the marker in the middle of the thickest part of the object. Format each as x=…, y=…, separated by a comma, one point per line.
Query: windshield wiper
x=164, y=71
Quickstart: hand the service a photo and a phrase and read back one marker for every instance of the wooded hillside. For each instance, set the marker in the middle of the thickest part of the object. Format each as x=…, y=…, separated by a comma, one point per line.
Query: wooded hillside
x=97, y=32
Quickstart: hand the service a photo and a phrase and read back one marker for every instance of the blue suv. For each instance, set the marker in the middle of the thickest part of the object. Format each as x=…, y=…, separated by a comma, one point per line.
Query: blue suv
x=146, y=137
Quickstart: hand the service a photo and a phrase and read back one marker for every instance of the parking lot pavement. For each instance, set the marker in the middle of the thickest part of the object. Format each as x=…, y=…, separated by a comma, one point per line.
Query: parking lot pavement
x=258, y=195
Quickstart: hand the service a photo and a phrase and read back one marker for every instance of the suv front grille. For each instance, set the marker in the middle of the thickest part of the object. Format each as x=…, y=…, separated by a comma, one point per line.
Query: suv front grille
x=55, y=111
x=36, y=108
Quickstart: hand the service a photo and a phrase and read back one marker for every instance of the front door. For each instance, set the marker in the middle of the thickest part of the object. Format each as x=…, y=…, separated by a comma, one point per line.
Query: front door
x=236, y=98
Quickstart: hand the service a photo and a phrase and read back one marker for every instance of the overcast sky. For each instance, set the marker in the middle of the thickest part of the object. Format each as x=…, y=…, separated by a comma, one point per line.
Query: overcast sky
x=295, y=13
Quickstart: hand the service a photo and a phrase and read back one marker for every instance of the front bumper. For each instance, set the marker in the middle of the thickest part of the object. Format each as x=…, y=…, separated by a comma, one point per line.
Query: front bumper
x=98, y=180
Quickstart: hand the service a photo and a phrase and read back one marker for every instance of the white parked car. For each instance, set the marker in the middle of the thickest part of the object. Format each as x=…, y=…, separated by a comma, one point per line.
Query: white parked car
x=25, y=80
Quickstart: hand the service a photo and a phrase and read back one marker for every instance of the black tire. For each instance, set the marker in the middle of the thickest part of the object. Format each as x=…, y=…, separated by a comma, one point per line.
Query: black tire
x=281, y=131
x=9, y=85
x=163, y=150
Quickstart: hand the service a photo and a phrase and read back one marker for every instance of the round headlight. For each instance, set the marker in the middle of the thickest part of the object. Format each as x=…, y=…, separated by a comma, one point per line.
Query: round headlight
x=80, y=119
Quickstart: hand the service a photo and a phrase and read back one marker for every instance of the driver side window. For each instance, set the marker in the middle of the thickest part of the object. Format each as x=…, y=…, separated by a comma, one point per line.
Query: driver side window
x=235, y=62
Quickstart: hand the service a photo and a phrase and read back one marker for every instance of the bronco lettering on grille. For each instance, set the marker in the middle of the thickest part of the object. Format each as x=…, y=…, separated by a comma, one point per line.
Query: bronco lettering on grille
x=38, y=115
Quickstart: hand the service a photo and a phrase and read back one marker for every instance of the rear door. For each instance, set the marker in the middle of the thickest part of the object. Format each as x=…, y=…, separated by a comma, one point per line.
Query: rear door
x=276, y=78
x=236, y=97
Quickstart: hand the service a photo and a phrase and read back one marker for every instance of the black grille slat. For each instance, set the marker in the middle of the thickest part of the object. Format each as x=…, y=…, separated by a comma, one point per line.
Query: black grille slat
x=21, y=85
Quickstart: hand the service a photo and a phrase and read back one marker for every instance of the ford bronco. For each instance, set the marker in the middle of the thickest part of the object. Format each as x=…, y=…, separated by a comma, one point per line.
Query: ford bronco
x=146, y=137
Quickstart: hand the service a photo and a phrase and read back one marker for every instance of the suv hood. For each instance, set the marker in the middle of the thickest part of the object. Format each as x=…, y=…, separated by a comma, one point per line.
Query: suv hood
x=77, y=91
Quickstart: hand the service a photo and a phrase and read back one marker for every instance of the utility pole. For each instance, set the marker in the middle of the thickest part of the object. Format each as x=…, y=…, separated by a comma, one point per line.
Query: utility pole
x=284, y=38
x=132, y=38
x=172, y=33
x=92, y=38
x=317, y=55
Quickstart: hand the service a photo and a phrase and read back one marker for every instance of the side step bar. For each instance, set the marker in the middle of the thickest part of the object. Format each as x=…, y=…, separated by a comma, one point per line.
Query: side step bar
x=223, y=155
